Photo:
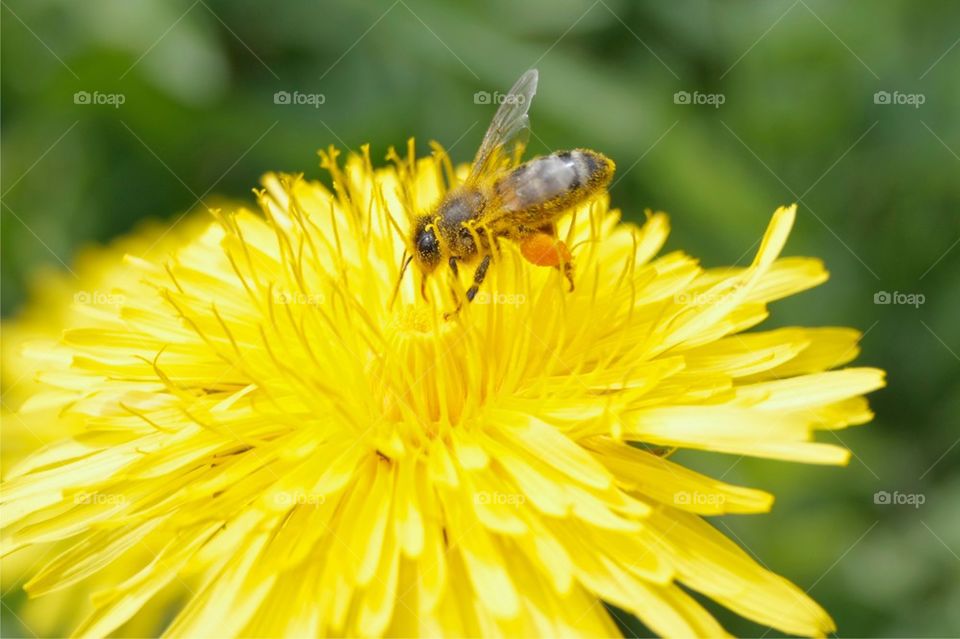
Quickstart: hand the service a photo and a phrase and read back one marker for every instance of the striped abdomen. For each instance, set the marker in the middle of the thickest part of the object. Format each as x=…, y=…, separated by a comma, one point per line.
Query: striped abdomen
x=554, y=182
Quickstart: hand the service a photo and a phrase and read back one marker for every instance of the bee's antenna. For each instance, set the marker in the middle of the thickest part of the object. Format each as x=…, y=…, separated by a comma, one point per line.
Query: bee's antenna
x=403, y=269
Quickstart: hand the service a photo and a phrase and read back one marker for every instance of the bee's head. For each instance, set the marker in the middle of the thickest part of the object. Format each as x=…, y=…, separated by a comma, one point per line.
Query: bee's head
x=426, y=244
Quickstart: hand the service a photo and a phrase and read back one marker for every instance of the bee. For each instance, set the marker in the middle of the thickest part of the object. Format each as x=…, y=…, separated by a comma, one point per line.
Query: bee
x=503, y=198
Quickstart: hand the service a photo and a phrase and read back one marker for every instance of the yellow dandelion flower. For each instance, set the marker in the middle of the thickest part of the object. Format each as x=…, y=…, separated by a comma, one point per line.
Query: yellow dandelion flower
x=58, y=299
x=317, y=461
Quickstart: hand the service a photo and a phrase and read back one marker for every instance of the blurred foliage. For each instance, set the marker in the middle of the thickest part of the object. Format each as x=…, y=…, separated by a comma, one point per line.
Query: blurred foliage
x=877, y=184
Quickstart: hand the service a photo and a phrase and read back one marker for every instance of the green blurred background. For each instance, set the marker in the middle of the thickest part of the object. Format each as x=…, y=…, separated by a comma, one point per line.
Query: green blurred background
x=878, y=186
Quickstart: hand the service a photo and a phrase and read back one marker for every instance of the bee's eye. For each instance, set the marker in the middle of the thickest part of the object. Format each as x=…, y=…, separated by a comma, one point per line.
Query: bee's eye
x=427, y=244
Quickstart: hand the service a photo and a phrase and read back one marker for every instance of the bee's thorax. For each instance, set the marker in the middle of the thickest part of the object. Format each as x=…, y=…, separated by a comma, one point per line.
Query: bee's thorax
x=457, y=209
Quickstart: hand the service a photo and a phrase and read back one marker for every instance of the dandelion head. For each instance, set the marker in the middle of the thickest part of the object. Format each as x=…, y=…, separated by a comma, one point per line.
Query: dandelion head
x=311, y=447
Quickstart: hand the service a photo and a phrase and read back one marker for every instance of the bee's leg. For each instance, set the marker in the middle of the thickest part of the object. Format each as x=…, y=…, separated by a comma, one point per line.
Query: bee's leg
x=478, y=277
x=493, y=245
x=544, y=249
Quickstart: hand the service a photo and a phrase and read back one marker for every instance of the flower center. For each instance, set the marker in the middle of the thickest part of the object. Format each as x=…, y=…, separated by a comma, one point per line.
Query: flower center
x=426, y=380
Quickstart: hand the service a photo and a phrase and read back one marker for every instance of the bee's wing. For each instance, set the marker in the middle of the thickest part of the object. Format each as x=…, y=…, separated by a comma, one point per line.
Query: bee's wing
x=507, y=136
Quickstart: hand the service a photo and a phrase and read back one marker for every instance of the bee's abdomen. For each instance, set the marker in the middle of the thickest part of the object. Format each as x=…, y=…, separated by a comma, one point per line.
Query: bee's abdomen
x=559, y=180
